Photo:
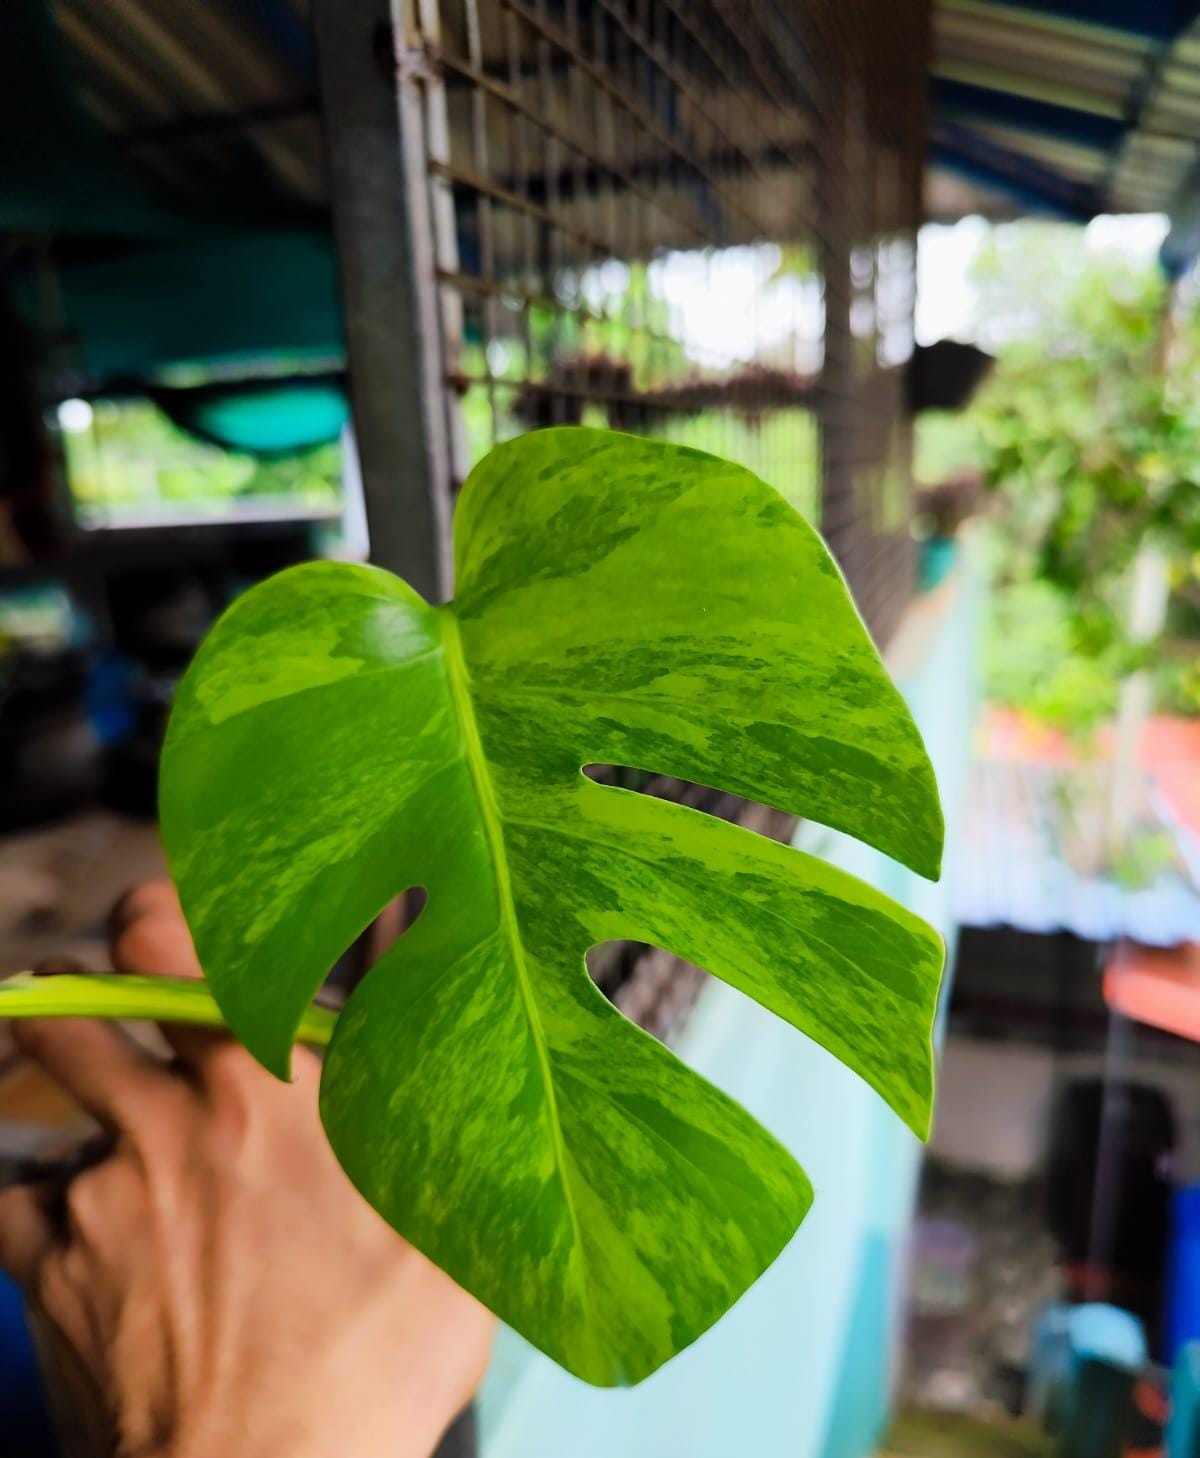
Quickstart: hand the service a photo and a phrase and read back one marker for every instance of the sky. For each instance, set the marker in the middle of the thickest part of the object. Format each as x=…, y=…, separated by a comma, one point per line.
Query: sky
x=945, y=299
x=728, y=305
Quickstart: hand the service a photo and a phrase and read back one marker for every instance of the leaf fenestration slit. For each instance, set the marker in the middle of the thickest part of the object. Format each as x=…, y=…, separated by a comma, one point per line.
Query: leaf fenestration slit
x=754, y=815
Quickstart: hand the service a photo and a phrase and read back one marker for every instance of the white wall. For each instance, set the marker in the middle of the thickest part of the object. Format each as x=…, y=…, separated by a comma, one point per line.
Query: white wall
x=995, y=1099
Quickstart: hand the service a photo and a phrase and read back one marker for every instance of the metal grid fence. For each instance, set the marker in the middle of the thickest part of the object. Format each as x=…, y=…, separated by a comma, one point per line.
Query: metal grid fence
x=690, y=219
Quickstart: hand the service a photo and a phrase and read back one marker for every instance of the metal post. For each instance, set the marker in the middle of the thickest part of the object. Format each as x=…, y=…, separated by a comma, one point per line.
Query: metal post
x=372, y=108
x=374, y=120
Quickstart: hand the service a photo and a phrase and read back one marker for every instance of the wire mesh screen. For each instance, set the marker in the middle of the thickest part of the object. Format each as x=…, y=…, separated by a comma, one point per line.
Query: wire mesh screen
x=869, y=67
x=693, y=220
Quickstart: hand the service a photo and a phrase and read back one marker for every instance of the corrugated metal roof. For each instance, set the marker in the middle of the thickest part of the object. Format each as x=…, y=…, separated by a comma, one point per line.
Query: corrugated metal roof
x=1035, y=829
x=1069, y=106
x=214, y=104
x=189, y=90
x=1074, y=107
x=1014, y=870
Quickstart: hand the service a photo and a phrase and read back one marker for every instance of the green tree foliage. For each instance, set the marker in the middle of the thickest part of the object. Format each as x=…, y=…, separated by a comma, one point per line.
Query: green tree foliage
x=1088, y=436
x=133, y=460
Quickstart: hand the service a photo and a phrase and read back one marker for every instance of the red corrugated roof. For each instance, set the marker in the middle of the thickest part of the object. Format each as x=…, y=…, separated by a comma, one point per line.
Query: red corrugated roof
x=1169, y=753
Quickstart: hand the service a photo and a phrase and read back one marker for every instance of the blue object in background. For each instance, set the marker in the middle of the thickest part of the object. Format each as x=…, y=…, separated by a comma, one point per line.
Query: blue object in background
x=25, y=1430
x=270, y=420
x=1049, y=1367
x=1183, y=1427
x=1099, y=1332
x=1085, y=1361
x=934, y=562
x=1064, y=1337
x=111, y=700
x=1181, y=1321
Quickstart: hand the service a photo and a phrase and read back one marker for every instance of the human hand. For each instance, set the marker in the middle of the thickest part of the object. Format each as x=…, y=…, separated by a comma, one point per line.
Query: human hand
x=213, y=1284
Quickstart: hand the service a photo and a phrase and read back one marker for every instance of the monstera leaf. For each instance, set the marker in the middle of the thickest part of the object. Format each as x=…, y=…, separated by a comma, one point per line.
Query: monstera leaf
x=338, y=739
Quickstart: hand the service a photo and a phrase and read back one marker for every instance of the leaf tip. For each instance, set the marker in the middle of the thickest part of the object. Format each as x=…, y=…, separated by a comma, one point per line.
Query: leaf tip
x=921, y=1121
x=277, y=1061
x=271, y=1047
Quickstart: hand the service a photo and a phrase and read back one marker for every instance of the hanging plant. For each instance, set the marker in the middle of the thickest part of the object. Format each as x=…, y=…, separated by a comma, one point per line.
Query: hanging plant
x=338, y=740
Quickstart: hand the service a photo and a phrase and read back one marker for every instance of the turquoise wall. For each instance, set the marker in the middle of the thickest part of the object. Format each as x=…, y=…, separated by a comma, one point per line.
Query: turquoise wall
x=802, y=1365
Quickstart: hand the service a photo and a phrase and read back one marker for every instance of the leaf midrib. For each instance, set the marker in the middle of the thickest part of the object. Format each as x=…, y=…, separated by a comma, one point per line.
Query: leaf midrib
x=489, y=813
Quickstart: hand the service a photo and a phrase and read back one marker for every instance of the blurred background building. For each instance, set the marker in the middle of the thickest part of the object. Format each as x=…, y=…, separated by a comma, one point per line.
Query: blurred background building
x=274, y=275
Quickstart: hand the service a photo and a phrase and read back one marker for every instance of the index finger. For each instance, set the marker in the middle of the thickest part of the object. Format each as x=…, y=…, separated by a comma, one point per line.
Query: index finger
x=149, y=936
x=147, y=930
x=97, y=1063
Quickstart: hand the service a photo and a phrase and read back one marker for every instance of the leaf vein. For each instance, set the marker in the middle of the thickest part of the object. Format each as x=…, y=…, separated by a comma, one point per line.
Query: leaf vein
x=457, y=674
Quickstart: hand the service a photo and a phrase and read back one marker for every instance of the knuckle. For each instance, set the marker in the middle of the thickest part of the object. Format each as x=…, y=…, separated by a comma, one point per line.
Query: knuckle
x=228, y=1063
x=142, y=900
x=238, y=1088
x=88, y=1199
x=105, y=1203
x=75, y=1268
x=231, y=1128
x=30, y=1034
x=148, y=1115
x=137, y=944
x=159, y=1127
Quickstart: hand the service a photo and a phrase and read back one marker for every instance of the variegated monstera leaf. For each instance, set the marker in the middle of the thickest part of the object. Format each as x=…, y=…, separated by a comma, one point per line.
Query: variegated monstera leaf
x=620, y=601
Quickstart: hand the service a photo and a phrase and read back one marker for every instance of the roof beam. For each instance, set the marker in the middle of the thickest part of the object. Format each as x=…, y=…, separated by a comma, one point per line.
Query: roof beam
x=1028, y=182
x=963, y=100
x=1159, y=20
